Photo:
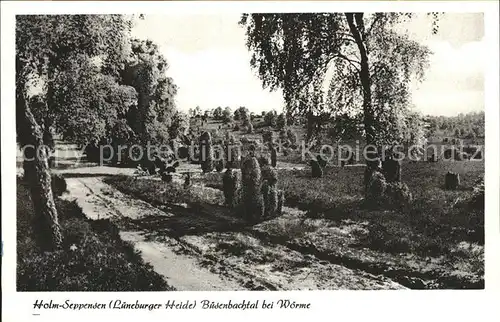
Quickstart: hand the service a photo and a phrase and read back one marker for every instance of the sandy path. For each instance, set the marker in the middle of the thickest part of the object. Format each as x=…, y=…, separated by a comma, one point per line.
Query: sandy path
x=98, y=201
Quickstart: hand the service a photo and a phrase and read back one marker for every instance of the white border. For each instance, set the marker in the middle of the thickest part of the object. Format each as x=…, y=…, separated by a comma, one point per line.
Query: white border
x=336, y=305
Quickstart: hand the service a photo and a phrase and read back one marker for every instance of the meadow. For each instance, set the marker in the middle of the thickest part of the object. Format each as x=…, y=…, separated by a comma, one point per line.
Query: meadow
x=326, y=231
x=436, y=242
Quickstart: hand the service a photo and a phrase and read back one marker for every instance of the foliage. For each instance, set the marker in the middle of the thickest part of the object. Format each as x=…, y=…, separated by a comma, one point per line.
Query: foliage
x=372, y=62
x=52, y=49
x=227, y=116
x=270, y=118
x=470, y=125
x=179, y=124
x=217, y=113
x=242, y=114
x=281, y=121
x=92, y=102
x=344, y=127
x=146, y=71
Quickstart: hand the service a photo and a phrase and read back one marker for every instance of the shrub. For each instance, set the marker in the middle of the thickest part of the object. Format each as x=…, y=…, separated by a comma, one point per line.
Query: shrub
x=187, y=180
x=233, y=155
x=268, y=137
x=167, y=177
x=316, y=170
x=270, y=196
x=371, y=166
x=376, y=188
x=274, y=156
x=398, y=195
x=392, y=170
x=220, y=160
x=477, y=199
x=270, y=174
x=451, y=180
x=58, y=184
x=206, y=152
x=250, y=128
x=264, y=161
x=252, y=197
x=321, y=161
x=231, y=182
x=292, y=137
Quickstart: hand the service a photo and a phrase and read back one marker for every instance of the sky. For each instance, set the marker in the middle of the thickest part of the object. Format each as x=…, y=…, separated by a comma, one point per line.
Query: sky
x=211, y=65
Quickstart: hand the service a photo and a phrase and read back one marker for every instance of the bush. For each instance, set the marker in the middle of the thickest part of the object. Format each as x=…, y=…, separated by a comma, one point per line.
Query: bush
x=376, y=188
x=252, y=197
x=270, y=174
x=264, y=161
x=477, y=200
x=398, y=195
x=268, y=137
x=270, y=196
x=231, y=182
x=167, y=177
x=270, y=118
x=206, y=152
x=451, y=180
x=58, y=184
x=321, y=161
x=392, y=170
x=316, y=170
x=233, y=156
x=250, y=128
x=292, y=137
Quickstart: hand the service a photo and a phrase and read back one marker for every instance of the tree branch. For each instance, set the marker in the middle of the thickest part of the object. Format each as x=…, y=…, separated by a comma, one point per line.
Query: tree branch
x=351, y=61
x=368, y=32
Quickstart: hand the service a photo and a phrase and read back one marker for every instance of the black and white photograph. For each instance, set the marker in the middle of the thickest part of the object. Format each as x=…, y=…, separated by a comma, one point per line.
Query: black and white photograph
x=250, y=151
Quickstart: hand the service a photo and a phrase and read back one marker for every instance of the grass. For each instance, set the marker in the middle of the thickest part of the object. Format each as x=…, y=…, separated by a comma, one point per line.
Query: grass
x=431, y=227
x=159, y=192
x=439, y=224
x=93, y=258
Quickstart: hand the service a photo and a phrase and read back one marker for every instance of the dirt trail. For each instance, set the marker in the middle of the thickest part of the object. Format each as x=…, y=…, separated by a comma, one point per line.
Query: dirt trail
x=99, y=201
x=205, y=259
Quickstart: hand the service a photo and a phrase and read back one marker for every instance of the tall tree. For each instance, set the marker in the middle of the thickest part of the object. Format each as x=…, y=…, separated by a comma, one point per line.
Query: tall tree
x=227, y=115
x=91, y=102
x=372, y=61
x=45, y=46
x=217, y=113
x=146, y=71
x=241, y=114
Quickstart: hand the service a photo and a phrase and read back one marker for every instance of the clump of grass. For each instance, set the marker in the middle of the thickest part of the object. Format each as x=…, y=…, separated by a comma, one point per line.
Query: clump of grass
x=158, y=192
x=289, y=227
x=93, y=258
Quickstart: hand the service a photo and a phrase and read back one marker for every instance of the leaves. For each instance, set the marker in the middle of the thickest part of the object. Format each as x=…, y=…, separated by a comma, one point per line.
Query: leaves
x=89, y=103
x=299, y=52
x=146, y=71
x=75, y=58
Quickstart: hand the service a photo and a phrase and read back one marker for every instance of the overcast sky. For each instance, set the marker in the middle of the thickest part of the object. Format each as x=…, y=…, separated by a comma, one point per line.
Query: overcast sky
x=210, y=63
